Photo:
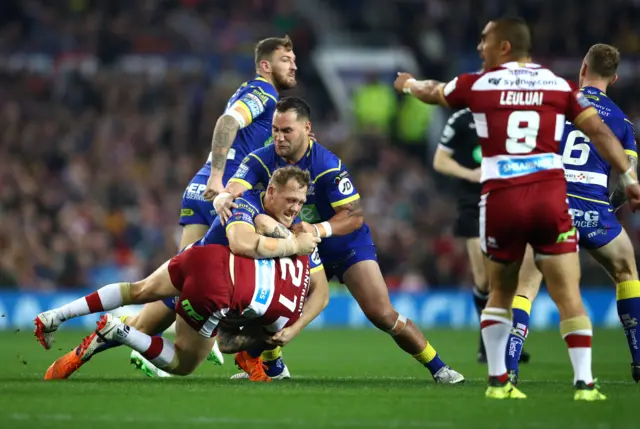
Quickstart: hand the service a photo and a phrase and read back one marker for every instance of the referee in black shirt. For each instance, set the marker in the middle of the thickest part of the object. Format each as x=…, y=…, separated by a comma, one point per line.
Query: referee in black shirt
x=459, y=155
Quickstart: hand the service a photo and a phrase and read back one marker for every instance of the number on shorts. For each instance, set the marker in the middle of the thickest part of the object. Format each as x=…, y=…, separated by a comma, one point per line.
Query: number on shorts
x=571, y=146
x=295, y=272
x=522, y=131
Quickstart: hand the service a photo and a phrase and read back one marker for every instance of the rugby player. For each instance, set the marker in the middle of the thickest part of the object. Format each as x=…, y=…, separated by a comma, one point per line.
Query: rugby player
x=283, y=198
x=593, y=213
x=519, y=109
x=332, y=212
x=459, y=155
x=244, y=126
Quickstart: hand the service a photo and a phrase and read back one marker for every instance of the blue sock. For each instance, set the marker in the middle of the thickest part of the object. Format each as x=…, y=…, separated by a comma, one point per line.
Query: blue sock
x=628, y=299
x=519, y=331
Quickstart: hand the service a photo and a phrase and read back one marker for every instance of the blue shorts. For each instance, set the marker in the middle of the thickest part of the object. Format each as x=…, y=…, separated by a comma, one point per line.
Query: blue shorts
x=596, y=223
x=195, y=209
x=336, y=264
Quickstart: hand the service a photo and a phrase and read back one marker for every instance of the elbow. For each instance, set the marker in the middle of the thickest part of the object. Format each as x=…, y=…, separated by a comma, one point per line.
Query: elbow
x=240, y=248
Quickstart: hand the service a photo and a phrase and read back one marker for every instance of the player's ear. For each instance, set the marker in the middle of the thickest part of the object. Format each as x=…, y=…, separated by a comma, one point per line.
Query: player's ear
x=505, y=48
x=307, y=127
x=265, y=66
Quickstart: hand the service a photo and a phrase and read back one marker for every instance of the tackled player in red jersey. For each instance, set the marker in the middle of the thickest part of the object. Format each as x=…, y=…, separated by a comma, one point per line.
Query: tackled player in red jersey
x=216, y=289
x=519, y=109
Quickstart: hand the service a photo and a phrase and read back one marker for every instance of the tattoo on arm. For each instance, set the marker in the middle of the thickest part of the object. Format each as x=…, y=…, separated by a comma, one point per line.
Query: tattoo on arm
x=223, y=136
x=354, y=208
x=618, y=197
x=279, y=231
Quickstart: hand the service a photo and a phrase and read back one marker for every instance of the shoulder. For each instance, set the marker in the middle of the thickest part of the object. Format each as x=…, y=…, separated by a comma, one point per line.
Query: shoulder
x=265, y=153
x=323, y=159
x=250, y=201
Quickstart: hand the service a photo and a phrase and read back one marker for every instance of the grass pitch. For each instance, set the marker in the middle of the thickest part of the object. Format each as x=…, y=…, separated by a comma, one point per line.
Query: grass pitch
x=343, y=379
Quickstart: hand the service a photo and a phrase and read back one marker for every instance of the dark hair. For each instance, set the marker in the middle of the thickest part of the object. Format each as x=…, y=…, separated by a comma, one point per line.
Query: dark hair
x=603, y=60
x=283, y=175
x=266, y=47
x=297, y=104
x=515, y=31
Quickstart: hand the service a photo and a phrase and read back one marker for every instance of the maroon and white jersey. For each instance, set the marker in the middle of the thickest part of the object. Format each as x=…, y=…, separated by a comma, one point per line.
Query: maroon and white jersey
x=519, y=111
x=270, y=292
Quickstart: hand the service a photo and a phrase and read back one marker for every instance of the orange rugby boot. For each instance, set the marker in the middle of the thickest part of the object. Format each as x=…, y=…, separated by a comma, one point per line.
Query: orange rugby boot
x=252, y=366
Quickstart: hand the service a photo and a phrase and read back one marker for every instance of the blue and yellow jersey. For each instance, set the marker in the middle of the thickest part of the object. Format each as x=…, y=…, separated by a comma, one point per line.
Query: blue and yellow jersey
x=253, y=105
x=249, y=205
x=586, y=171
x=330, y=188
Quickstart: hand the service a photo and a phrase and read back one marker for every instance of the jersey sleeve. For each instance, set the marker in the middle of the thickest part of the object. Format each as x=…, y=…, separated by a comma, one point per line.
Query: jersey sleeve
x=315, y=263
x=252, y=170
x=453, y=132
x=629, y=139
x=457, y=93
x=337, y=185
x=251, y=103
x=579, y=107
x=245, y=213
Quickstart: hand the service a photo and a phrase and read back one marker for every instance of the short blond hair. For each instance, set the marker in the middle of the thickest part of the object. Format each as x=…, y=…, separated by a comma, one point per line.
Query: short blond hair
x=283, y=175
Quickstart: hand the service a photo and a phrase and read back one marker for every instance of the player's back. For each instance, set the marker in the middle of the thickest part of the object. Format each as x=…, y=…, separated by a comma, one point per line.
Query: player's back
x=586, y=171
x=271, y=291
x=519, y=111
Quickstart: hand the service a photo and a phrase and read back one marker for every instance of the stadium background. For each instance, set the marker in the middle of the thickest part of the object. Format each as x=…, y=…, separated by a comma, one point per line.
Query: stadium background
x=107, y=109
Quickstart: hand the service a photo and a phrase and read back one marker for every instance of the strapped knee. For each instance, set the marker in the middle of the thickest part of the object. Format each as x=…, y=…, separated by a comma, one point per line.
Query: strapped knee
x=398, y=326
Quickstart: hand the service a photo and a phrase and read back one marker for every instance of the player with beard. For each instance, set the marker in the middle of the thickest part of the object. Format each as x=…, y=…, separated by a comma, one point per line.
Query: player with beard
x=244, y=127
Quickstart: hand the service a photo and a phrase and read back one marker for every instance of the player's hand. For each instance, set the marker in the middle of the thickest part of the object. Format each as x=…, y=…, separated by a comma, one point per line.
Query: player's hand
x=214, y=187
x=307, y=243
x=475, y=175
x=223, y=204
x=284, y=336
x=402, y=78
x=633, y=196
x=304, y=227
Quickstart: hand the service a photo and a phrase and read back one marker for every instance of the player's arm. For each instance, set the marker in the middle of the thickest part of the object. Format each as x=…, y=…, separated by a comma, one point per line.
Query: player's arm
x=443, y=161
x=224, y=134
x=251, y=171
x=606, y=143
x=618, y=196
x=427, y=91
x=245, y=241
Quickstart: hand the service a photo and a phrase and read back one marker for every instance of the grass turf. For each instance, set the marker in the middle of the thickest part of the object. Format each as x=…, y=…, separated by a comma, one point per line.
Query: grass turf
x=343, y=379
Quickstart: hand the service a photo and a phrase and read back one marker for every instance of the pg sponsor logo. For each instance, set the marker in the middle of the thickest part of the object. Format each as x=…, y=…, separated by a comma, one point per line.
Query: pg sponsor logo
x=194, y=192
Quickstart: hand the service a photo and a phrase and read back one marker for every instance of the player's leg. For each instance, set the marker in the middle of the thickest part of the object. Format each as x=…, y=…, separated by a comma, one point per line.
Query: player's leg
x=617, y=257
x=555, y=241
x=481, y=285
x=157, y=286
x=365, y=282
x=529, y=279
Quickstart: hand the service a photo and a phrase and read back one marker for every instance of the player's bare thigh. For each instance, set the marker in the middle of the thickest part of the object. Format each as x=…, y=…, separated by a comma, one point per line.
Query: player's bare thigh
x=155, y=316
x=191, y=347
x=529, y=277
x=617, y=258
x=477, y=260
x=366, y=283
x=562, y=277
x=192, y=233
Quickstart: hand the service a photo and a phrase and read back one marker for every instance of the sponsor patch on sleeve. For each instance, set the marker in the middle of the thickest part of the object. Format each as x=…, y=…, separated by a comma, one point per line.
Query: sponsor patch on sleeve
x=254, y=104
x=241, y=217
x=582, y=100
x=241, y=172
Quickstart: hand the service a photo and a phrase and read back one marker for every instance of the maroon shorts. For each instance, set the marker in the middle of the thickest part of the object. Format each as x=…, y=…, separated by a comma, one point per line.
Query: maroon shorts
x=201, y=273
x=535, y=213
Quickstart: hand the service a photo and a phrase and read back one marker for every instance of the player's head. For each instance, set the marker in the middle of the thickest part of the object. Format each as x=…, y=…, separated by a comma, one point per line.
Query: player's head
x=286, y=193
x=274, y=58
x=291, y=127
x=600, y=63
x=503, y=40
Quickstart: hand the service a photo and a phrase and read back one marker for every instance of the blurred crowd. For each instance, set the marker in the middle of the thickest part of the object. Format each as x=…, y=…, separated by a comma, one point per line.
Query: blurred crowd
x=93, y=167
